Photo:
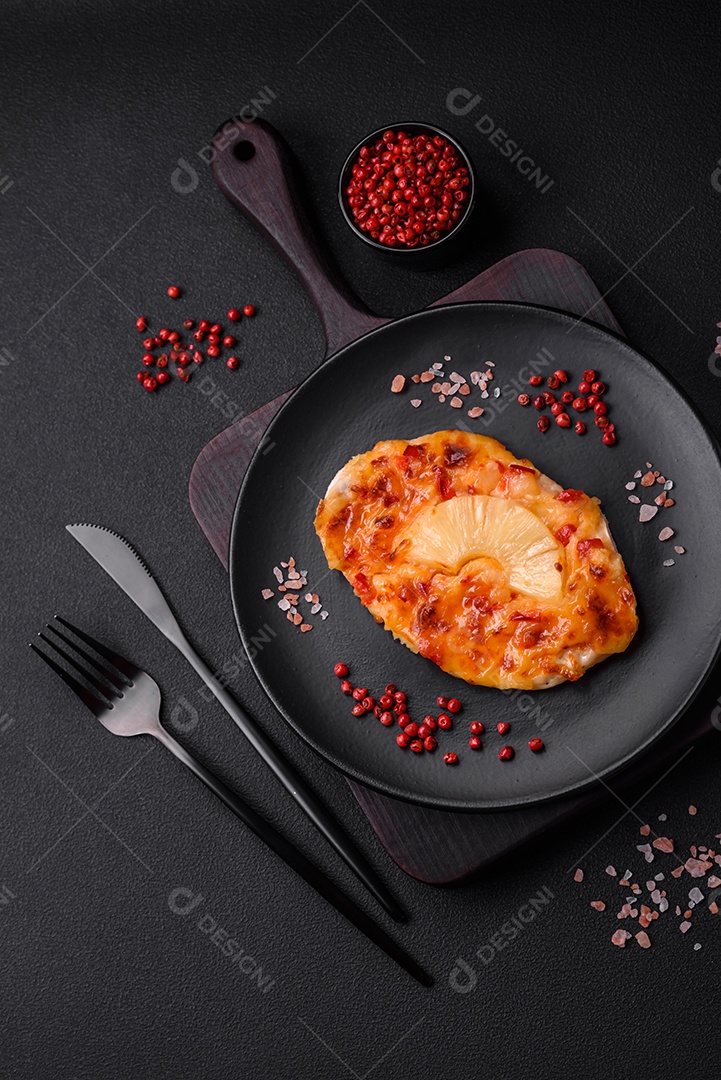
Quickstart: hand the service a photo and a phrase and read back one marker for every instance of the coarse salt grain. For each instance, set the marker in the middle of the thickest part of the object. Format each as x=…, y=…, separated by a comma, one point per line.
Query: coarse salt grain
x=680, y=550
x=665, y=534
x=630, y=485
x=398, y=384
x=415, y=402
x=578, y=876
x=611, y=871
x=267, y=593
x=669, y=562
x=634, y=499
x=692, y=810
x=598, y=905
x=647, y=512
x=643, y=939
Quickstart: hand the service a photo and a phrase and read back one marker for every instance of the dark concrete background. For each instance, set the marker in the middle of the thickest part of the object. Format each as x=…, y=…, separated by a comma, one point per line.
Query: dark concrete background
x=618, y=106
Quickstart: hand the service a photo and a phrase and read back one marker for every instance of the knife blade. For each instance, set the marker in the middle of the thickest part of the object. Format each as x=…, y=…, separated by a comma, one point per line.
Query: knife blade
x=120, y=560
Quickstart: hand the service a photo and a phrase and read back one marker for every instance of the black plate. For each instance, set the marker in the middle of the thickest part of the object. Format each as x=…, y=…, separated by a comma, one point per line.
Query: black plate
x=591, y=728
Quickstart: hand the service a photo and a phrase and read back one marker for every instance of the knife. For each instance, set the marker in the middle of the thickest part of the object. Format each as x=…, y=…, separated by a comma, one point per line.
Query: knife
x=128, y=570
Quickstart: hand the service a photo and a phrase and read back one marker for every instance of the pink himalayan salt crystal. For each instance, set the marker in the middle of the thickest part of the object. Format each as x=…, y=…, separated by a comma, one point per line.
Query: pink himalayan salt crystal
x=598, y=905
x=643, y=939
x=620, y=937
x=663, y=843
x=696, y=867
x=578, y=876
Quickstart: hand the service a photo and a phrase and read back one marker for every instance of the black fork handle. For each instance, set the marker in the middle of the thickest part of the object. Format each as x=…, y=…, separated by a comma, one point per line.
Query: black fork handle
x=293, y=782
x=296, y=860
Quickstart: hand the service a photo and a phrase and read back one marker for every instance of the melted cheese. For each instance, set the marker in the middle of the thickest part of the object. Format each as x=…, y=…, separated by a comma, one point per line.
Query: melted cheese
x=479, y=607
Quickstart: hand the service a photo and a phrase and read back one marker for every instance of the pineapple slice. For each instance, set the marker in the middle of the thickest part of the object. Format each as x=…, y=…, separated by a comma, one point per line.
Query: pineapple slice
x=450, y=534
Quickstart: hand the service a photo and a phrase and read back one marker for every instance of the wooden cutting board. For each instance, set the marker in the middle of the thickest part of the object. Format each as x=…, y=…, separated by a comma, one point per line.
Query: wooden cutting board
x=433, y=846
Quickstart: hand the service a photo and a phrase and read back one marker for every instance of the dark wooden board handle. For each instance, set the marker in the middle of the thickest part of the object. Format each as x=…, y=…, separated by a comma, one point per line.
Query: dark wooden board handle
x=253, y=168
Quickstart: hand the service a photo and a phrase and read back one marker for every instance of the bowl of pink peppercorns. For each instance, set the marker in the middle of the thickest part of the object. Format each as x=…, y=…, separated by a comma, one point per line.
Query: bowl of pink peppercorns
x=408, y=190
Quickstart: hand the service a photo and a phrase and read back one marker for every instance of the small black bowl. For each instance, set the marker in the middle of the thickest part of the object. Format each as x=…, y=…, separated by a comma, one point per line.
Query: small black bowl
x=434, y=254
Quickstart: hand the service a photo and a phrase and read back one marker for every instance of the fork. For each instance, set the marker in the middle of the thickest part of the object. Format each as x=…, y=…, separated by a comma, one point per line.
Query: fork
x=126, y=701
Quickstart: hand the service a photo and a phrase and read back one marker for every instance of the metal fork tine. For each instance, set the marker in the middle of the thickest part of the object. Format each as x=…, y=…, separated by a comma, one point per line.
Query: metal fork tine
x=128, y=669
x=107, y=691
x=84, y=694
x=117, y=682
